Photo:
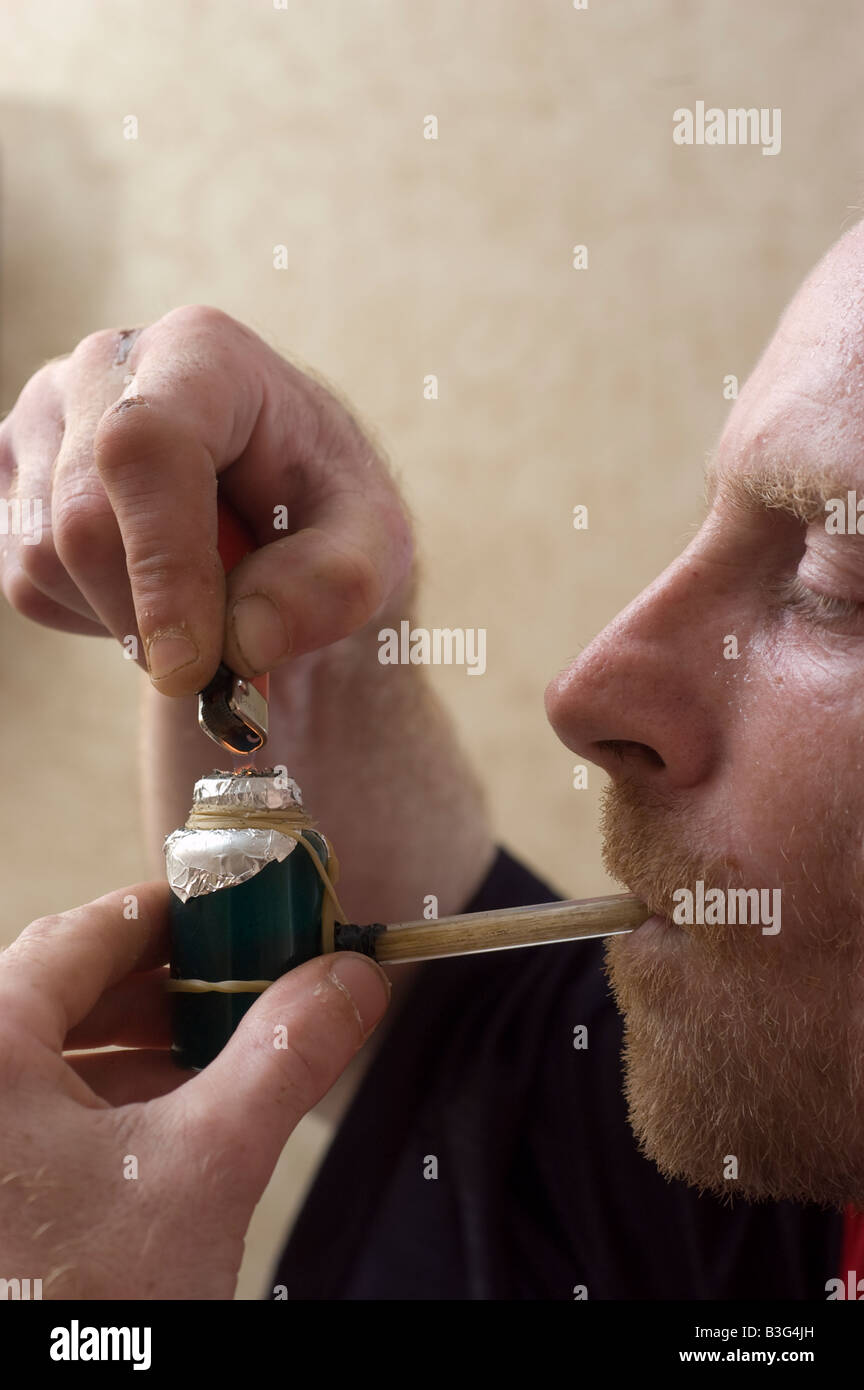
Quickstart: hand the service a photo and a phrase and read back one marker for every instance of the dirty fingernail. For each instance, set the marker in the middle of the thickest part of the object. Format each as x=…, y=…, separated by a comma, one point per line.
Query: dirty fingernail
x=168, y=652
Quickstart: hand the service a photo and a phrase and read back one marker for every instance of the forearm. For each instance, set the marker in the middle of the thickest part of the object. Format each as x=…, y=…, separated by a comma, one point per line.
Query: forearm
x=381, y=770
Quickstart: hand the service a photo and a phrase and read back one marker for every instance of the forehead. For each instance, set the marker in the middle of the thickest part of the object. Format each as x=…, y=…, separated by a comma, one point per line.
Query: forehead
x=798, y=424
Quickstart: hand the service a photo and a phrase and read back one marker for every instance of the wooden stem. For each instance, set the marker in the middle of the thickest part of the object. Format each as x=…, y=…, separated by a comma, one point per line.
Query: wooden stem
x=509, y=927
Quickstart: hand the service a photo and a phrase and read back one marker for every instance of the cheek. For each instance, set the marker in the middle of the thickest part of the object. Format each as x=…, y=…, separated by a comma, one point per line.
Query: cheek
x=794, y=780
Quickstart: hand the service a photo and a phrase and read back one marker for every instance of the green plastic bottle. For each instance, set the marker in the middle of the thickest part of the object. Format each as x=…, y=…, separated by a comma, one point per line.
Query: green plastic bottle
x=245, y=905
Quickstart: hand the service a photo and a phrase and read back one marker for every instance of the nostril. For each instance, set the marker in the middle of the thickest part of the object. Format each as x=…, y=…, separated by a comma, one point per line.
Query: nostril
x=623, y=748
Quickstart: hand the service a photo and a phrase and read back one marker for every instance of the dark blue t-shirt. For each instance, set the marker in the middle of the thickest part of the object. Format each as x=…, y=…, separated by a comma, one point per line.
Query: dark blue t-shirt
x=486, y=1157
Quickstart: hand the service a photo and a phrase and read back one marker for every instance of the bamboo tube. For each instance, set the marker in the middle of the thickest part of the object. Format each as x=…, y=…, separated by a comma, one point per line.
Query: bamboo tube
x=543, y=923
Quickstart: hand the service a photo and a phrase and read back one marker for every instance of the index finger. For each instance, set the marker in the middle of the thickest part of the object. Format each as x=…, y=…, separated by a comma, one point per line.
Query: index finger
x=55, y=971
x=188, y=411
x=208, y=398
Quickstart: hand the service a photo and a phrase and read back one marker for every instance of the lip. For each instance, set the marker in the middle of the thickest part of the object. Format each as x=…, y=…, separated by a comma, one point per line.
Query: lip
x=656, y=930
x=655, y=924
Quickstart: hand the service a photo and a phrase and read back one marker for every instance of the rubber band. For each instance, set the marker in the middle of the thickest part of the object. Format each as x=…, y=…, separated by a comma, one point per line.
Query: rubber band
x=217, y=986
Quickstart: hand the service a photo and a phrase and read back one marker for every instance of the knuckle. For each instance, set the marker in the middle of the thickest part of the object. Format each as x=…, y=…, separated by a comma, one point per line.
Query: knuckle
x=40, y=564
x=41, y=931
x=41, y=384
x=81, y=527
x=210, y=348
x=32, y=948
x=95, y=348
x=199, y=318
x=155, y=570
x=38, y=942
x=127, y=440
x=357, y=581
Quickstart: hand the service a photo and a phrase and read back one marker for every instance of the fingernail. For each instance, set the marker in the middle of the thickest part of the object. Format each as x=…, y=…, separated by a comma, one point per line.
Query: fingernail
x=167, y=652
x=259, y=631
x=366, y=984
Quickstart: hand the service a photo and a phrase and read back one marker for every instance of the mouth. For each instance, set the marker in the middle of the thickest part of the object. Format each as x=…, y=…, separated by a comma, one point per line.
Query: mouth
x=655, y=939
x=657, y=925
x=656, y=928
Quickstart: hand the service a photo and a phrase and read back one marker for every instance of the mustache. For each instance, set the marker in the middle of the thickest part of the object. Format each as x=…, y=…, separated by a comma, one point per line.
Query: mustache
x=645, y=848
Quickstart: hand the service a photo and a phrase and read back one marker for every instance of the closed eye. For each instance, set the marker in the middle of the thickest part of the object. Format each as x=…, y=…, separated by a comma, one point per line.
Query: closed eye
x=793, y=595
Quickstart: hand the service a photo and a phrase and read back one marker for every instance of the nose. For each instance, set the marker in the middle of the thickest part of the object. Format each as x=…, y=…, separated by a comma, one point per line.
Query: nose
x=637, y=701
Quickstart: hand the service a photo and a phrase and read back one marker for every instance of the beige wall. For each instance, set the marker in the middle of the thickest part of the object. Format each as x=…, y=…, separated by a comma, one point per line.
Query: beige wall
x=304, y=127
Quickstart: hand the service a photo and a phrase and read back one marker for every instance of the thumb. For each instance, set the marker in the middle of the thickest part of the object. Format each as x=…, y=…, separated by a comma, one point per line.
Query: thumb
x=287, y=1052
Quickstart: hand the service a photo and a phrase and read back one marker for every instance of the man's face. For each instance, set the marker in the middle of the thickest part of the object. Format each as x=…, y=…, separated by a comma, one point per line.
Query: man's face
x=744, y=1048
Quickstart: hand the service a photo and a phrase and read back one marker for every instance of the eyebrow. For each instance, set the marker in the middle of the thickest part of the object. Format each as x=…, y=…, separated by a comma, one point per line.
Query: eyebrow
x=801, y=493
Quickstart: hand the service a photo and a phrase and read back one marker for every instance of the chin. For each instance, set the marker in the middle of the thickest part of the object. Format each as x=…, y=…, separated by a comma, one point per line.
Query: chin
x=737, y=1083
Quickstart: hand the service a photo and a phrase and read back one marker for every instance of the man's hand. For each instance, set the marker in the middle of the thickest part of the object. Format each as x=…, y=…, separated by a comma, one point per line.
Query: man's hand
x=121, y=1176
x=124, y=442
